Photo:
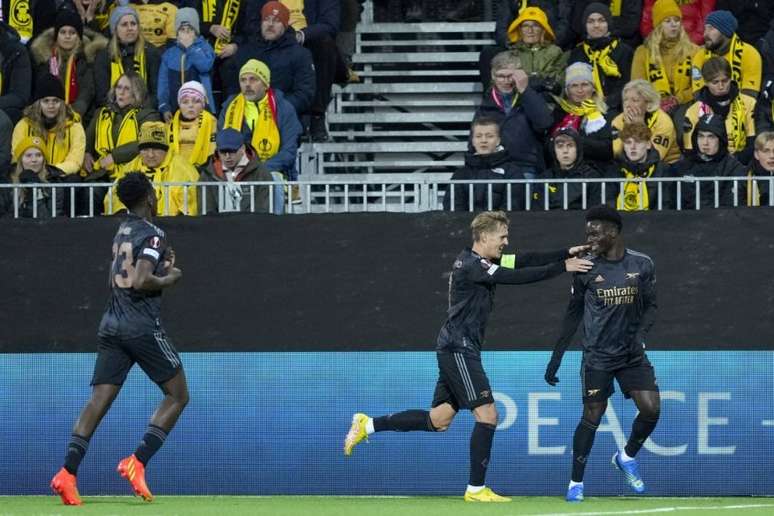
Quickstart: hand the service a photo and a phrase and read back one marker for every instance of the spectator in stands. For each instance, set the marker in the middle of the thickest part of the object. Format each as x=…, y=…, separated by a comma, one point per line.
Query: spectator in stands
x=67, y=51
x=665, y=58
x=566, y=149
x=764, y=110
x=127, y=51
x=192, y=129
x=531, y=38
x=224, y=23
x=641, y=106
x=52, y=120
x=623, y=18
x=753, y=17
x=487, y=161
x=609, y=57
x=292, y=70
x=235, y=162
x=721, y=96
x=522, y=113
x=584, y=110
x=31, y=167
x=161, y=166
x=758, y=193
x=692, y=13
x=157, y=20
x=268, y=121
x=6, y=129
x=316, y=24
x=720, y=39
x=189, y=59
x=95, y=14
x=709, y=157
x=112, y=136
x=34, y=16
x=639, y=160
x=15, y=72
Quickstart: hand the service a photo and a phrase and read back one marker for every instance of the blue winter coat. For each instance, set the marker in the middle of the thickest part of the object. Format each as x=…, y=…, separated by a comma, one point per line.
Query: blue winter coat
x=197, y=63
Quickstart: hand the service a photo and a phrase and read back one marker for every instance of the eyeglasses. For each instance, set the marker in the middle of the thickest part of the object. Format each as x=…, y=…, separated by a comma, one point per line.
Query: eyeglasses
x=228, y=151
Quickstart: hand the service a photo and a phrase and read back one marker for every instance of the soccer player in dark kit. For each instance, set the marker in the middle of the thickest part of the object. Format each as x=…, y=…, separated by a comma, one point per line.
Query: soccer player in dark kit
x=130, y=331
x=462, y=382
x=616, y=300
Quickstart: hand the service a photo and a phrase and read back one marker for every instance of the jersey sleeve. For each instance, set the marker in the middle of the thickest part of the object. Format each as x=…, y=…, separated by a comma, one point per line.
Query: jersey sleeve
x=152, y=248
x=648, y=300
x=572, y=316
x=491, y=273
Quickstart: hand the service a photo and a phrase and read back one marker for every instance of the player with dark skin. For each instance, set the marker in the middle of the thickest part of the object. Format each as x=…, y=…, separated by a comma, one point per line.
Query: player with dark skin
x=136, y=285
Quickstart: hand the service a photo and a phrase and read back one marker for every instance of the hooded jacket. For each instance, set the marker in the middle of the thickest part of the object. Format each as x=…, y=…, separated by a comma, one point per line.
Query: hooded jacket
x=581, y=169
x=180, y=65
x=695, y=164
x=495, y=166
x=16, y=73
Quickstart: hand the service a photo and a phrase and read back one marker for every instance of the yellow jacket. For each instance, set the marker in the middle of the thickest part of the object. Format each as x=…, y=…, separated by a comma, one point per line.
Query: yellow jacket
x=745, y=61
x=174, y=168
x=678, y=74
x=157, y=21
x=66, y=153
x=743, y=124
x=664, y=136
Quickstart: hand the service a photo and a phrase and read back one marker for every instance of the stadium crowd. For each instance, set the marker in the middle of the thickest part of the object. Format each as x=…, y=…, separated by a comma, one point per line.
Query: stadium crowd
x=224, y=90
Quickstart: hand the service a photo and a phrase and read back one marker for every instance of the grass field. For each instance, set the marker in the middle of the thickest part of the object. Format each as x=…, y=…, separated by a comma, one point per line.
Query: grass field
x=376, y=506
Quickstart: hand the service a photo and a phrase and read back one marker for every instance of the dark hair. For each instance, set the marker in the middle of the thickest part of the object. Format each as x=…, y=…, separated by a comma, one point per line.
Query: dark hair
x=485, y=120
x=604, y=213
x=715, y=66
x=133, y=188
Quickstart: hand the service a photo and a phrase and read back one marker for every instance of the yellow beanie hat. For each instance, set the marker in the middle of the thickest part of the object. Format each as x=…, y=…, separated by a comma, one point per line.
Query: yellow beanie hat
x=534, y=14
x=258, y=68
x=153, y=135
x=26, y=143
x=663, y=9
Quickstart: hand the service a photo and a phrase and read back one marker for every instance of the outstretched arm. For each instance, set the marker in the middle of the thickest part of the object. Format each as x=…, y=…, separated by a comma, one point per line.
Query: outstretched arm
x=649, y=306
x=535, y=258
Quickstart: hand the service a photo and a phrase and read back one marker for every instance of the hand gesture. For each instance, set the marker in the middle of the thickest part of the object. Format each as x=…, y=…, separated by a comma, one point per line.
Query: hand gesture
x=186, y=38
x=551, y=369
x=88, y=163
x=169, y=263
x=228, y=50
x=174, y=275
x=106, y=161
x=633, y=114
x=578, y=250
x=577, y=265
x=520, y=79
x=168, y=116
x=220, y=32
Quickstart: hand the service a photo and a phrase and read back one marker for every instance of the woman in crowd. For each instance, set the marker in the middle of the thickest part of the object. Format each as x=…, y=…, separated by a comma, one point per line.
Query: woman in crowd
x=665, y=58
x=192, y=129
x=127, y=51
x=692, y=12
x=31, y=167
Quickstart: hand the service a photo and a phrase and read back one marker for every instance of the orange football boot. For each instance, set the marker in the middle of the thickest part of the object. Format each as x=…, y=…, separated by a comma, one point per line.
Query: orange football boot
x=64, y=484
x=132, y=469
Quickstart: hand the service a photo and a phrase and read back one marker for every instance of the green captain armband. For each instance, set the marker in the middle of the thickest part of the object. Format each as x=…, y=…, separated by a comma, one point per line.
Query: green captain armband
x=508, y=261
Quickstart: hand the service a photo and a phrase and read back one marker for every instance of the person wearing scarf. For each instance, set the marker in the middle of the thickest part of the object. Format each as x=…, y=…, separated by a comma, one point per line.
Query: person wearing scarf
x=720, y=39
x=758, y=186
x=583, y=109
x=28, y=18
x=31, y=167
x=720, y=96
x=666, y=57
x=609, y=57
x=126, y=51
x=192, y=128
x=268, y=121
x=641, y=105
x=53, y=121
x=692, y=14
x=67, y=52
x=638, y=160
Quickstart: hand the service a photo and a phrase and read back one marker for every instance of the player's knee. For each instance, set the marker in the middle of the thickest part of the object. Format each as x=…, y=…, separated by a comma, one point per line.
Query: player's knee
x=650, y=411
x=486, y=414
x=593, y=412
x=441, y=423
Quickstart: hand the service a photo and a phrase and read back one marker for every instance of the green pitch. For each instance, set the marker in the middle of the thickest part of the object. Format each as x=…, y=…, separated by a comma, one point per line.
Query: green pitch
x=378, y=506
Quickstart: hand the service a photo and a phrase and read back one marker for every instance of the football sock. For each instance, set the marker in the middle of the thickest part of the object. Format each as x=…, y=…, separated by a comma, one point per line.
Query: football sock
x=582, y=442
x=150, y=444
x=474, y=489
x=75, y=453
x=480, y=448
x=406, y=421
x=370, y=426
x=641, y=429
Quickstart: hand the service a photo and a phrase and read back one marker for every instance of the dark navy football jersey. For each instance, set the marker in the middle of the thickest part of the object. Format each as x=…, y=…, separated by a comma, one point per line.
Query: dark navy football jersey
x=617, y=302
x=130, y=311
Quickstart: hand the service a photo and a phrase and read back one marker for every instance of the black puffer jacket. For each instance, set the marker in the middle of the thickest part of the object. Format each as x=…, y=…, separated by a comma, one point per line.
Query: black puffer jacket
x=495, y=166
x=581, y=169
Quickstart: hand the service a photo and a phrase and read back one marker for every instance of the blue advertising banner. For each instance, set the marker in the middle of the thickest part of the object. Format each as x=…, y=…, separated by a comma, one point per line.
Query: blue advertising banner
x=274, y=423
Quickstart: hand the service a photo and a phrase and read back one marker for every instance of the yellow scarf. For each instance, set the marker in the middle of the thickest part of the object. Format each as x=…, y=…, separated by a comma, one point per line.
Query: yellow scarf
x=735, y=122
x=20, y=18
x=657, y=76
x=629, y=198
x=266, y=138
x=57, y=149
x=227, y=19
x=205, y=138
x=104, y=143
x=297, y=19
x=615, y=7
x=117, y=66
x=734, y=58
x=601, y=59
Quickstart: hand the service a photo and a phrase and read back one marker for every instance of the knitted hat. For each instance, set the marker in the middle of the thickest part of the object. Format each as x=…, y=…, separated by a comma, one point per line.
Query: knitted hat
x=187, y=16
x=229, y=139
x=278, y=10
x=26, y=143
x=258, y=68
x=68, y=18
x=663, y=9
x=578, y=72
x=534, y=14
x=724, y=21
x=48, y=86
x=118, y=13
x=599, y=8
x=153, y=135
x=192, y=89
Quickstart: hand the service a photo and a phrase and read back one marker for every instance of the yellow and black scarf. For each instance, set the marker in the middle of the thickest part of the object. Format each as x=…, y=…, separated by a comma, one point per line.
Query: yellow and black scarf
x=266, y=137
x=736, y=123
x=204, y=137
x=138, y=66
x=601, y=59
x=104, y=143
x=634, y=192
x=657, y=76
x=227, y=19
x=20, y=18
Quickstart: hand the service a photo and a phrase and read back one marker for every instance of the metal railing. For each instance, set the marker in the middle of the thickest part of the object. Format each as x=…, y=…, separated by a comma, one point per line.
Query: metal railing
x=408, y=193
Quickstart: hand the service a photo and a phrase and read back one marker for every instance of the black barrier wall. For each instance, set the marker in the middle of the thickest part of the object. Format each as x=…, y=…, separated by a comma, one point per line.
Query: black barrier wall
x=377, y=281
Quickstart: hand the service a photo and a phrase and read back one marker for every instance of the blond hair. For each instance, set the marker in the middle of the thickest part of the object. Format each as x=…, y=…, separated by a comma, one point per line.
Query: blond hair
x=762, y=139
x=139, y=91
x=505, y=60
x=488, y=222
x=684, y=49
x=37, y=120
x=646, y=90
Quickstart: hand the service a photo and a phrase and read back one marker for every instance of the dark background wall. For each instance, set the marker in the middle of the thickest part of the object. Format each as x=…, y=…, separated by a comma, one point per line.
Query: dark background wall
x=376, y=281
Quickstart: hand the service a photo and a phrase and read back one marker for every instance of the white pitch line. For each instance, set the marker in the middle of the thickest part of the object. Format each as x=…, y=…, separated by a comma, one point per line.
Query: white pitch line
x=659, y=509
